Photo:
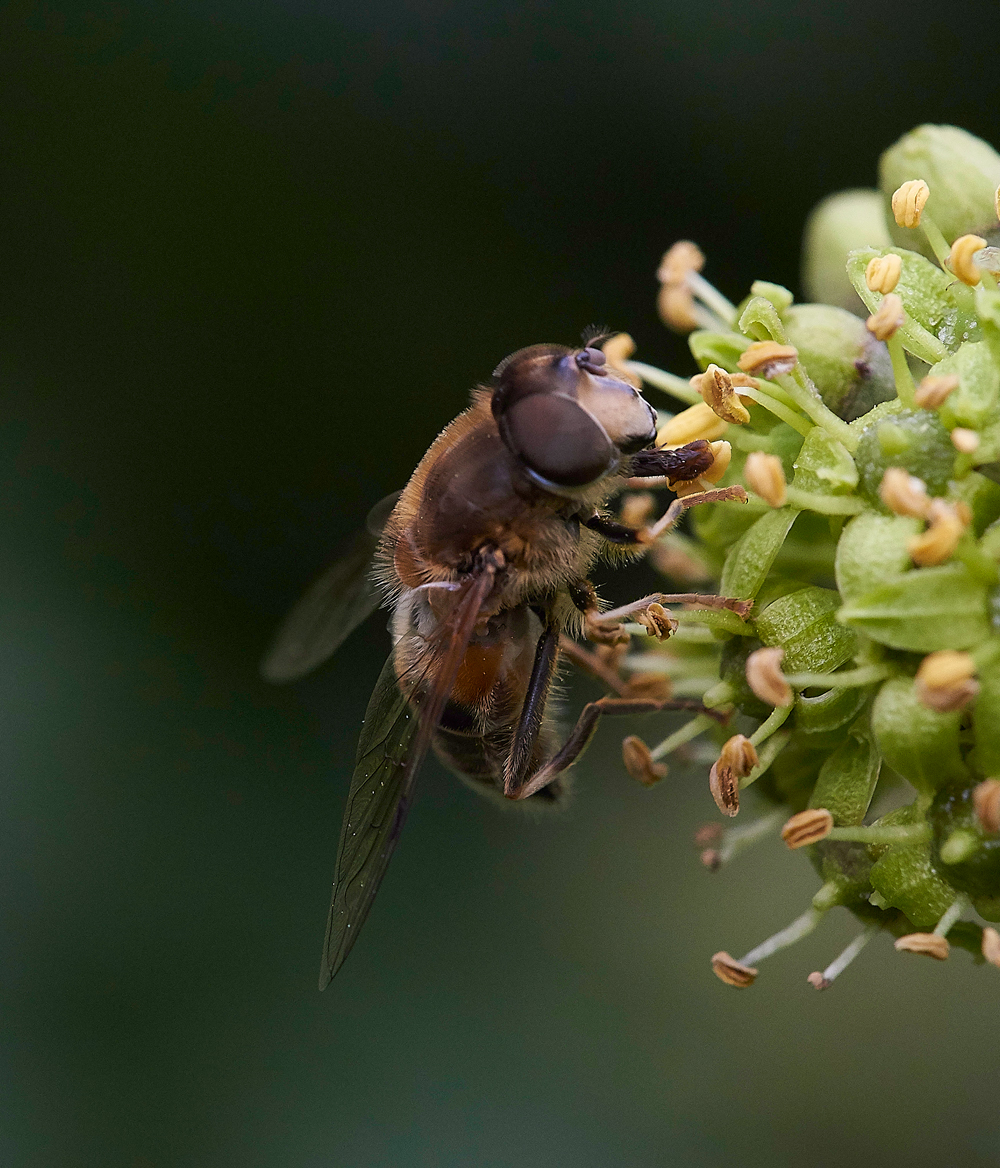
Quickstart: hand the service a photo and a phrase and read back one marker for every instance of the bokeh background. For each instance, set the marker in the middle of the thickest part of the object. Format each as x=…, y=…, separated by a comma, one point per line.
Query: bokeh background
x=253, y=256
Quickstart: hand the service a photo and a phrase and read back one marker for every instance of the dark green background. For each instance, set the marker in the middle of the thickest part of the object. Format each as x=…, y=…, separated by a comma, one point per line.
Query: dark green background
x=253, y=256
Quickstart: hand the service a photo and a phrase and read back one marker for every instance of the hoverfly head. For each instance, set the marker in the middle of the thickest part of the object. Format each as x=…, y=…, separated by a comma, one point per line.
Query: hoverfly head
x=566, y=416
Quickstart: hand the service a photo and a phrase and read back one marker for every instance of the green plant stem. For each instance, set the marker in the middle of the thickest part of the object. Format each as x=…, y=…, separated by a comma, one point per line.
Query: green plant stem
x=795, y=420
x=801, y=927
x=935, y=237
x=698, y=725
x=802, y=391
x=901, y=372
x=767, y=754
x=776, y=719
x=916, y=834
x=848, y=679
x=959, y=905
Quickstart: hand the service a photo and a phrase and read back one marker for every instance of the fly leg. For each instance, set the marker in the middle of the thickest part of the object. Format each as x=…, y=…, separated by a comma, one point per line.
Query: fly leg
x=618, y=533
x=522, y=786
x=533, y=711
x=519, y=782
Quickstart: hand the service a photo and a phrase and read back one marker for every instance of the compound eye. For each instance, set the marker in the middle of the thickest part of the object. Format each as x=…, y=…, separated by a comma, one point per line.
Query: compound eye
x=558, y=439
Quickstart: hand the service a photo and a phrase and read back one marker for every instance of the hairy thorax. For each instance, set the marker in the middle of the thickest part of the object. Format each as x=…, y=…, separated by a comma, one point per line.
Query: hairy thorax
x=469, y=492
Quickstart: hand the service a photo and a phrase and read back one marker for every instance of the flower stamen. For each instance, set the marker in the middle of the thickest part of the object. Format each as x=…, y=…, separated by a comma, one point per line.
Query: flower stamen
x=933, y=391
x=823, y=981
x=764, y=676
x=888, y=319
x=765, y=476
x=961, y=258
x=946, y=525
x=883, y=272
x=904, y=494
x=986, y=800
x=639, y=762
x=908, y=202
x=768, y=359
x=807, y=827
x=946, y=680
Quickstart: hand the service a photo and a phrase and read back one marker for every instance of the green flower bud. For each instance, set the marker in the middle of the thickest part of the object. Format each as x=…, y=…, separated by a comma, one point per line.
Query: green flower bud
x=873, y=550
x=804, y=624
x=977, y=399
x=849, y=367
x=915, y=440
x=962, y=171
x=918, y=743
x=836, y=226
x=924, y=610
x=905, y=876
x=824, y=466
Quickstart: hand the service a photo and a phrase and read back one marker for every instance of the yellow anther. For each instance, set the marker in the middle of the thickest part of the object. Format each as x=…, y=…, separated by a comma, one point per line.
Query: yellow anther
x=764, y=676
x=938, y=543
x=733, y=972
x=716, y=386
x=929, y=944
x=680, y=259
x=722, y=454
x=933, y=391
x=889, y=317
x=883, y=272
x=808, y=827
x=986, y=800
x=768, y=359
x=965, y=441
x=675, y=302
x=618, y=349
x=697, y=421
x=904, y=494
x=908, y=202
x=946, y=680
x=639, y=762
x=960, y=258
x=765, y=476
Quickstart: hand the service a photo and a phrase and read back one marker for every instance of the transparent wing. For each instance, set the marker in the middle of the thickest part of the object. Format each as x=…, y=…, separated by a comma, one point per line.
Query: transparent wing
x=381, y=788
x=332, y=607
x=394, y=739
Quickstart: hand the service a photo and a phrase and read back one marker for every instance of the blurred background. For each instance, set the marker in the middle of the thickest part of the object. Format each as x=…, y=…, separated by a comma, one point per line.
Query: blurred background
x=254, y=255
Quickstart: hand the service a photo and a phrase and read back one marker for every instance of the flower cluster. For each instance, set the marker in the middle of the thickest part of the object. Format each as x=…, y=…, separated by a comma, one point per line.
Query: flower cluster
x=863, y=686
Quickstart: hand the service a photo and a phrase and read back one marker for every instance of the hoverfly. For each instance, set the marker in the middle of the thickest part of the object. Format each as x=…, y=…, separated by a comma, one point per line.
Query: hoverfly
x=483, y=559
